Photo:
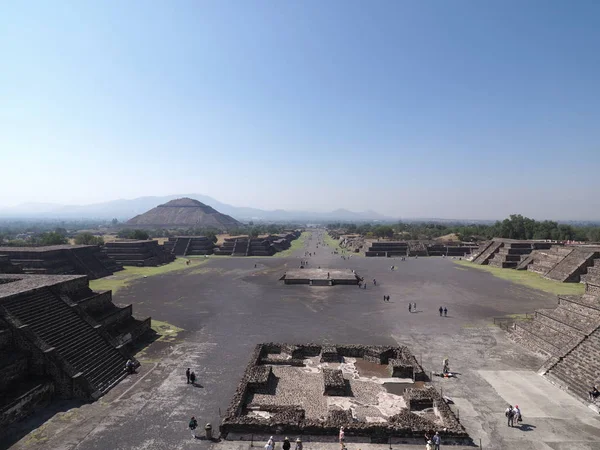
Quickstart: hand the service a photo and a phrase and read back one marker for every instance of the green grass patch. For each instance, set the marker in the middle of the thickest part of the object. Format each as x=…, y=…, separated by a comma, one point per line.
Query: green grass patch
x=297, y=244
x=130, y=274
x=530, y=279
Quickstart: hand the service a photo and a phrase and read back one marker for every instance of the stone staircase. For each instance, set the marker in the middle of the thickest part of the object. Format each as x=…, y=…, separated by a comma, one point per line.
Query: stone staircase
x=181, y=246
x=579, y=369
x=569, y=335
x=510, y=255
x=573, y=265
x=543, y=261
x=487, y=252
x=593, y=273
x=75, y=340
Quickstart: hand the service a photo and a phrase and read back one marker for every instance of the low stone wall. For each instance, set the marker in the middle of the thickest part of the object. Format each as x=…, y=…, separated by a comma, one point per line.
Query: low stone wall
x=25, y=404
x=333, y=382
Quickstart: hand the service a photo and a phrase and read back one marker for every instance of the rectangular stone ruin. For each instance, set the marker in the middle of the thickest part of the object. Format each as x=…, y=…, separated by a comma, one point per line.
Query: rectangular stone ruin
x=304, y=394
x=320, y=277
x=333, y=382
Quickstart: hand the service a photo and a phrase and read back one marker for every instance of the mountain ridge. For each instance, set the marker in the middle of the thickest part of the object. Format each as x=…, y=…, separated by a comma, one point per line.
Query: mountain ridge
x=125, y=209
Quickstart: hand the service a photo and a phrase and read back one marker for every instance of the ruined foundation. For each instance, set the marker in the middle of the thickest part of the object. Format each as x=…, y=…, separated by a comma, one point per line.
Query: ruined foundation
x=379, y=394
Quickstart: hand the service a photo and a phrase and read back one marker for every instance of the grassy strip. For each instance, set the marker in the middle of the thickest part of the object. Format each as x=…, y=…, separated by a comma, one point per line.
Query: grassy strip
x=529, y=279
x=125, y=277
x=297, y=244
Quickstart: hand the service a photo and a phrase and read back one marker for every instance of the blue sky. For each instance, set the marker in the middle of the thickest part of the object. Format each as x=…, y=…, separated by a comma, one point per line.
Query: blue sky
x=415, y=109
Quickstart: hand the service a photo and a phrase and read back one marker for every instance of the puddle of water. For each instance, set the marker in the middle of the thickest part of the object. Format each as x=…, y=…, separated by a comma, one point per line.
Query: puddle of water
x=369, y=369
x=398, y=388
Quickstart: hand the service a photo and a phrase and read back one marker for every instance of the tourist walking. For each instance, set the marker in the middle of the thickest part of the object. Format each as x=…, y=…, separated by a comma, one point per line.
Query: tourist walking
x=193, y=378
x=298, y=444
x=187, y=375
x=342, y=437
x=415, y=307
x=193, y=425
x=286, y=444
x=445, y=312
x=374, y=282
x=436, y=441
x=410, y=307
x=428, y=446
x=441, y=311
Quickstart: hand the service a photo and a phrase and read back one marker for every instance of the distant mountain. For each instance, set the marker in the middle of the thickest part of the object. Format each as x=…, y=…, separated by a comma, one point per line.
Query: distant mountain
x=126, y=209
x=184, y=212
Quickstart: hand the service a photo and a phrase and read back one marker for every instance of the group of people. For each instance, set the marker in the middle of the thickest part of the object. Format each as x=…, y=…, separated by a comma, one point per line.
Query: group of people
x=386, y=298
x=412, y=307
x=433, y=442
x=513, y=415
x=443, y=311
x=285, y=445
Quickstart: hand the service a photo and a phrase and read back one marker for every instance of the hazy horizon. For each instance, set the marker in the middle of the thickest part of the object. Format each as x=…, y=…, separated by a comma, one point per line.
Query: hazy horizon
x=454, y=110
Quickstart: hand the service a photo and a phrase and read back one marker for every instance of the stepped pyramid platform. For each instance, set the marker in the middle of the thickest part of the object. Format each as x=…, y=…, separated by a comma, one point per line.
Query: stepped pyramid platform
x=569, y=335
x=183, y=213
x=387, y=249
x=141, y=253
x=189, y=245
x=506, y=253
x=6, y=266
x=266, y=245
x=59, y=339
x=62, y=260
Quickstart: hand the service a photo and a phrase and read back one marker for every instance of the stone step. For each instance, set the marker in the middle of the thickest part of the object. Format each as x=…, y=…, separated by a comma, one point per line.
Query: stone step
x=586, y=300
x=590, y=313
x=566, y=321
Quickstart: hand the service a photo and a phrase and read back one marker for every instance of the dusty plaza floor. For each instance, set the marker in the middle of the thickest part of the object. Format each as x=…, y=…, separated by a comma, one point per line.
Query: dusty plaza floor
x=228, y=305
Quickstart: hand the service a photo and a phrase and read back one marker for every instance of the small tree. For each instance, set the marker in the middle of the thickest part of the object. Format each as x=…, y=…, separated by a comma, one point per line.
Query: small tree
x=52, y=238
x=88, y=239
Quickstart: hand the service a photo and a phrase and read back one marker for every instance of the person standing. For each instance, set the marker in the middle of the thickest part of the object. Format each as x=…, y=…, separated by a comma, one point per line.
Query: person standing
x=193, y=425
x=342, y=437
x=445, y=312
x=187, y=375
x=193, y=378
x=298, y=444
x=441, y=311
x=270, y=444
x=436, y=441
x=286, y=444
x=510, y=415
x=410, y=307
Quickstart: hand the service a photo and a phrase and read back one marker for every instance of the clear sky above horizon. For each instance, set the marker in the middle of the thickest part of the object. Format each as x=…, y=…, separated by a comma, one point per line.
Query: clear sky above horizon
x=449, y=109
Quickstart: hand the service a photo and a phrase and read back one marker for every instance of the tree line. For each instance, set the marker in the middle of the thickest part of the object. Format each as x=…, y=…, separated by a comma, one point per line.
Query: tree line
x=514, y=227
